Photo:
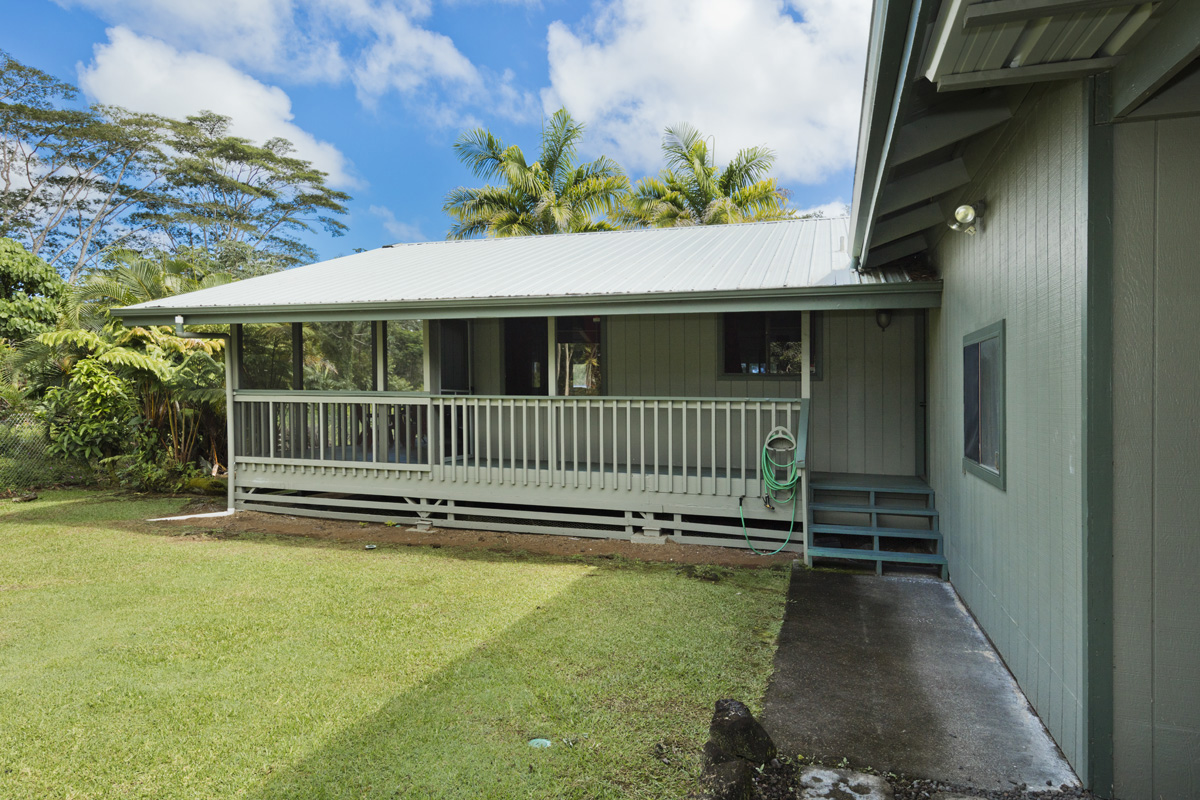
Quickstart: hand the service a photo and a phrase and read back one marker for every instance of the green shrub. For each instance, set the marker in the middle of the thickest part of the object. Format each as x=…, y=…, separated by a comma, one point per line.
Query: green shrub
x=89, y=419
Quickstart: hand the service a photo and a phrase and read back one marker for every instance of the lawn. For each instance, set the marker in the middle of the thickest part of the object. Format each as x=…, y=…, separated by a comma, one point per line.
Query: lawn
x=140, y=662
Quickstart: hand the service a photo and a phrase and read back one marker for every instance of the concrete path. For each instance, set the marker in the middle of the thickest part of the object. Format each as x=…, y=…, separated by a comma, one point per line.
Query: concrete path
x=892, y=673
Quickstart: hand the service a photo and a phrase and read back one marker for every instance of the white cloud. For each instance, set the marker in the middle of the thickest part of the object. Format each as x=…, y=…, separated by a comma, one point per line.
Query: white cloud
x=747, y=72
x=381, y=46
x=403, y=231
x=144, y=74
x=834, y=209
x=273, y=36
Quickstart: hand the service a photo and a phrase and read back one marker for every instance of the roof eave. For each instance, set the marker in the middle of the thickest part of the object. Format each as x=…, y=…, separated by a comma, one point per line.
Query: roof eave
x=913, y=294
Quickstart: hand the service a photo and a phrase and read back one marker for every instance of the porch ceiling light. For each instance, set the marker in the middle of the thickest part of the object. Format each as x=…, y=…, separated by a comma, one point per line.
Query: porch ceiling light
x=966, y=217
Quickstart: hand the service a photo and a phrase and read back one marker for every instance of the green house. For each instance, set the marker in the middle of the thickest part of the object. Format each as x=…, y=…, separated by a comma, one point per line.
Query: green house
x=618, y=384
x=1064, y=438
x=989, y=369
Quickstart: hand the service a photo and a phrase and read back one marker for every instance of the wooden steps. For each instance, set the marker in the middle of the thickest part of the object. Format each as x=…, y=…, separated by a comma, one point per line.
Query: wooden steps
x=886, y=519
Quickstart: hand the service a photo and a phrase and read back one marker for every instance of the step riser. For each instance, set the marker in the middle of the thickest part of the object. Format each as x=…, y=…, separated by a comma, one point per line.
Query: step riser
x=878, y=516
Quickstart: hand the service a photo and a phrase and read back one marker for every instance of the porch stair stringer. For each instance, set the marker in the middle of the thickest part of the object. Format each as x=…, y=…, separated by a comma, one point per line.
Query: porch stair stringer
x=884, y=519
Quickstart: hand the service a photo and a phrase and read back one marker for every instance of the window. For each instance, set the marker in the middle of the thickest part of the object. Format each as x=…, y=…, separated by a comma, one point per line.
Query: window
x=577, y=348
x=983, y=403
x=767, y=343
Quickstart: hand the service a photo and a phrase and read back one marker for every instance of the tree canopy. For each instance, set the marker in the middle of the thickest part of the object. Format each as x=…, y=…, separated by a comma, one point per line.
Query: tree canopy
x=77, y=183
x=554, y=194
x=693, y=191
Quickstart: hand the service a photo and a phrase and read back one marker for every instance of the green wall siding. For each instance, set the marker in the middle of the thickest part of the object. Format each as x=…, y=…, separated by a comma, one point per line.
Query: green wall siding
x=863, y=411
x=1016, y=555
x=1156, y=437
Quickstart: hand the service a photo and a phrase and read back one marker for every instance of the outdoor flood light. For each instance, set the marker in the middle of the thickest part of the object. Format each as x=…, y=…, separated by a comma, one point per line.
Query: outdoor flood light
x=966, y=217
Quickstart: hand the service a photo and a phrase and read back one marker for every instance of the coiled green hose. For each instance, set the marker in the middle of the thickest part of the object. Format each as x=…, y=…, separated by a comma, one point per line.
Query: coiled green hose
x=773, y=486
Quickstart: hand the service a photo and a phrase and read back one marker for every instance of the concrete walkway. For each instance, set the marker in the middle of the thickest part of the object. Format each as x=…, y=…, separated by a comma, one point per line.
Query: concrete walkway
x=892, y=673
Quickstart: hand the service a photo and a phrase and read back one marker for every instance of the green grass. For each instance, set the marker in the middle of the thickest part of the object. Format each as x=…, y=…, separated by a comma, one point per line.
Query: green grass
x=138, y=664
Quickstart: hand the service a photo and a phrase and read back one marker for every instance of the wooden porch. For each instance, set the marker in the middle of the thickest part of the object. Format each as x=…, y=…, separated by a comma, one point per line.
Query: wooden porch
x=648, y=467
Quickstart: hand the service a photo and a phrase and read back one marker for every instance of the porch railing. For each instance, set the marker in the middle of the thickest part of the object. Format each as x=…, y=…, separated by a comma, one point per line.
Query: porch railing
x=683, y=445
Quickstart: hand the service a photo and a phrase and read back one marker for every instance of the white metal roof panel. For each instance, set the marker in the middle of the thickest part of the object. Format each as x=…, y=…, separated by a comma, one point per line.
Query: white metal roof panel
x=717, y=258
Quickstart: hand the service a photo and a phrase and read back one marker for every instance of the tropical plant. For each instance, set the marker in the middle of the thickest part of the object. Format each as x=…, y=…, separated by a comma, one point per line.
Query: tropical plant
x=552, y=195
x=30, y=291
x=692, y=191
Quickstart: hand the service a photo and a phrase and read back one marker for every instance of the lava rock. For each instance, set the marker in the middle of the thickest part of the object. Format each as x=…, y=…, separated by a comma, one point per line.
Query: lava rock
x=733, y=780
x=735, y=731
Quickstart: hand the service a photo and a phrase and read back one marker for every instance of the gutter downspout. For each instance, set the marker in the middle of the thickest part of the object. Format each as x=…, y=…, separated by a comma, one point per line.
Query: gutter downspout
x=228, y=339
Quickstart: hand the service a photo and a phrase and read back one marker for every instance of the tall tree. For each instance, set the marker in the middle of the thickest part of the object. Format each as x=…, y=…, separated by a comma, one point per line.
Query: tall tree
x=693, y=191
x=225, y=189
x=552, y=195
x=70, y=177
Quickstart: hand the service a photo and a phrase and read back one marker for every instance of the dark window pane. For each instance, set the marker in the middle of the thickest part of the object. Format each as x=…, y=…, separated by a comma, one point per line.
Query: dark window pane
x=745, y=343
x=405, y=354
x=454, y=355
x=784, y=343
x=971, y=402
x=266, y=356
x=764, y=343
x=989, y=403
x=338, y=356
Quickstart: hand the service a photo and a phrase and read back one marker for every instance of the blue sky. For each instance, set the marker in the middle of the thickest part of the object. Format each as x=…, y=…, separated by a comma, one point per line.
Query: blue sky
x=376, y=91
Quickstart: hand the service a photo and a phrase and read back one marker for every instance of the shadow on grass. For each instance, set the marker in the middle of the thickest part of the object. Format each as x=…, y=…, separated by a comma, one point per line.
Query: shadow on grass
x=615, y=683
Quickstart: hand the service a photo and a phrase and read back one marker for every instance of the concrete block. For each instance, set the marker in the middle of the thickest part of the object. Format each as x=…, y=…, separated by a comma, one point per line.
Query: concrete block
x=823, y=782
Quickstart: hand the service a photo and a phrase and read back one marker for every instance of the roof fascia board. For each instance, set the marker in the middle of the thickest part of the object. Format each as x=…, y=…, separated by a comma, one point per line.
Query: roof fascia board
x=891, y=40
x=920, y=294
x=998, y=12
x=1007, y=76
x=1171, y=45
x=947, y=39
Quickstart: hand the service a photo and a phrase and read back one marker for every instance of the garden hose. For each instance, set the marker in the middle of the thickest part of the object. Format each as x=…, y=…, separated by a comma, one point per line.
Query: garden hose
x=773, y=486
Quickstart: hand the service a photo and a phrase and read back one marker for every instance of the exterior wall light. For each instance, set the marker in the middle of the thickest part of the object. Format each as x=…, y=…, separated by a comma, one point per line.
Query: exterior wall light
x=883, y=318
x=966, y=218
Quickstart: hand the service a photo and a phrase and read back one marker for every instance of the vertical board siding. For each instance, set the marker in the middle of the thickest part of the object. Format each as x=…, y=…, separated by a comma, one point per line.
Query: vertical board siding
x=1016, y=555
x=1156, y=440
x=863, y=412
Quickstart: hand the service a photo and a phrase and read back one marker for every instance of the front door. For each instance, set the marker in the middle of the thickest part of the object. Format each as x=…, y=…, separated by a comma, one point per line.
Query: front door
x=526, y=356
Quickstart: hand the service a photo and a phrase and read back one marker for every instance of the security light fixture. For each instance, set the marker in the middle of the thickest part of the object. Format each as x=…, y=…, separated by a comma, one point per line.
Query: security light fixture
x=966, y=217
x=883, y=318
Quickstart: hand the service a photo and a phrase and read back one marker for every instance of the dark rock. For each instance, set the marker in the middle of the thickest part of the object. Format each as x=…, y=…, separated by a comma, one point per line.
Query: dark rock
x=735, y=730
x=733, y=780
x=714, y=757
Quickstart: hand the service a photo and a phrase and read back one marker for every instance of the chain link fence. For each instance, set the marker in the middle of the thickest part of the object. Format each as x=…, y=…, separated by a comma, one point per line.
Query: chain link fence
x=24, y=460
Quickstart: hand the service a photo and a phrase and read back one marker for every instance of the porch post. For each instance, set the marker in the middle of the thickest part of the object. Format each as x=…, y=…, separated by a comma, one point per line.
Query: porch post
x=232, y=346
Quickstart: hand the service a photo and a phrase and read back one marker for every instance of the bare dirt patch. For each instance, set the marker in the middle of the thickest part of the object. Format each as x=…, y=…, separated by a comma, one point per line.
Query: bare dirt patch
x=534, y=543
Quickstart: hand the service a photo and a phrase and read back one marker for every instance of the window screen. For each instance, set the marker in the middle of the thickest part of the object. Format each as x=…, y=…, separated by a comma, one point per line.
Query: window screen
x=265, y=356
x=339, y=356
x=983, y=402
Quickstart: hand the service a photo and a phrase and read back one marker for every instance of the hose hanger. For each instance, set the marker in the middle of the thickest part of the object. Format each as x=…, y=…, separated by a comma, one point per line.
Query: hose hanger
x=778, y=453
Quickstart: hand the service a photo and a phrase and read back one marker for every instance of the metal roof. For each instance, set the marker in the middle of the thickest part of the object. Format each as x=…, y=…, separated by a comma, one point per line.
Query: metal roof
x=506, y=275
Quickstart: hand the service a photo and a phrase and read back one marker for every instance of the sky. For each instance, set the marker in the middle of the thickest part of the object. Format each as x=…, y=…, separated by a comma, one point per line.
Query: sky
x=375, y=92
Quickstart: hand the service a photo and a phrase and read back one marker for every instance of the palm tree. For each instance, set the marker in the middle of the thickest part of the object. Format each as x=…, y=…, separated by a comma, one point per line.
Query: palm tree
x=551, y=195
x=691, y=191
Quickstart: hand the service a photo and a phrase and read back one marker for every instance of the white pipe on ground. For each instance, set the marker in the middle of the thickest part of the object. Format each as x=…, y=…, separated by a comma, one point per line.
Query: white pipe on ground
x=226, y=513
